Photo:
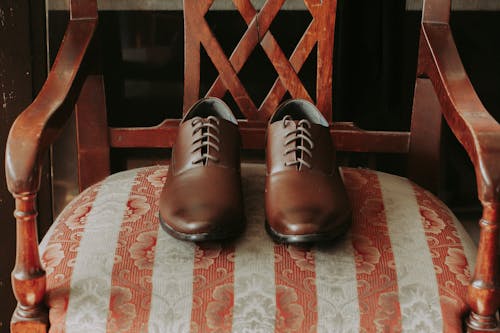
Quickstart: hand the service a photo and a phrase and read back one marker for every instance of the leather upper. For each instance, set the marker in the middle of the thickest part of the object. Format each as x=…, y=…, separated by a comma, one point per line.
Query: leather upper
x=322, y=154
x=304, y=192
x=202, y=193
x=228, y=155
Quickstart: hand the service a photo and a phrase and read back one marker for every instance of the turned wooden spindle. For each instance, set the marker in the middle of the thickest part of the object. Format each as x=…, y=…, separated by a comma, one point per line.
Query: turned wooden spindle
x=28, y=276
x=484, y=291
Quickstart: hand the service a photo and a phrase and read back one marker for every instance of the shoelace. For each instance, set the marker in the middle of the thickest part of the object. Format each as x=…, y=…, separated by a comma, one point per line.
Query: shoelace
x=303, y=138
x=203, y=143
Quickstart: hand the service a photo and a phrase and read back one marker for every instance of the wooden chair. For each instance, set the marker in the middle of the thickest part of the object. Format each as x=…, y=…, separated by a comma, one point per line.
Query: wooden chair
x=137, y=277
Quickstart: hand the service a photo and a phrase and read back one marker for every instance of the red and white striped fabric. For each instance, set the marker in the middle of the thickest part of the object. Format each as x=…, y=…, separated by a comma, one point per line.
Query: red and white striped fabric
x=403, y=267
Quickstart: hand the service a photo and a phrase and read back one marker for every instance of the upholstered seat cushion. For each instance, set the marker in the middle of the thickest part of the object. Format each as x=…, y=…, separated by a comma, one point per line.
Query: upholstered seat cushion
x=404, y=265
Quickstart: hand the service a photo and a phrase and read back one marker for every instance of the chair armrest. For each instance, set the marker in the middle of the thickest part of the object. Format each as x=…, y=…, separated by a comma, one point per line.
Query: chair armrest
x=474, y=127
x=36, y=128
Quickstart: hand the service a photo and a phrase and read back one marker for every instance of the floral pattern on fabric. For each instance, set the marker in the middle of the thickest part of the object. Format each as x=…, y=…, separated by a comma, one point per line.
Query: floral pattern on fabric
x=432, y=223
x=123, y=310
x=375, y=271
x=220, y=311
x=78, y=216
x=290, y=314
x=143, y=250
x=367, y=256
x=457, y=263
x=64, y=236
x=213, y=298
x=137, y=206
x=289, y=303
x=386, y=312
x=296, y=303
x=205, y=256
x=157, y=178
x=303, y=258
x=52, y=257
x=450, y=263
x=134, y=256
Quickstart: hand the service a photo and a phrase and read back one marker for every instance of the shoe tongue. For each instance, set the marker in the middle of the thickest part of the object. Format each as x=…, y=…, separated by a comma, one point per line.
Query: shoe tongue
x=296, y=147
x=210, y=106
x=299, y=109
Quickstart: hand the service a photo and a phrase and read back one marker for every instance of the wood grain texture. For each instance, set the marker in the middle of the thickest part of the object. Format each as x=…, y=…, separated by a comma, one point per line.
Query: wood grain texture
x=436, y=11
x=257, y=26
x=197, y=32
x=29, y=139
x=42, y=121
x=83, y=9
x=28, y=276
x=443, y=88
x=479, y=134
x=347, y=137
x=197, y=28
x=471, y=123
x=325, y=12
x=91, y=133
x=425, y=136
x=297, y=59
x=460, y=5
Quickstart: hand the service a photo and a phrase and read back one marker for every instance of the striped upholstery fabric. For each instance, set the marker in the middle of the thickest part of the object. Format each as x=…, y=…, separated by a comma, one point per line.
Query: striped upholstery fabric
x=403, y=267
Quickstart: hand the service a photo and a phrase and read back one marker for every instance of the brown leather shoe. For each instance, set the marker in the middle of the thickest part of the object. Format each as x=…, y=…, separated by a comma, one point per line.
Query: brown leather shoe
x=202, y=198
x=305, y=198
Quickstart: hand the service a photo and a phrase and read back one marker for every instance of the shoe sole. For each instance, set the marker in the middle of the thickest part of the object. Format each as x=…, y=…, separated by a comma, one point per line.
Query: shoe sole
x=309, y=238
x=200, y=237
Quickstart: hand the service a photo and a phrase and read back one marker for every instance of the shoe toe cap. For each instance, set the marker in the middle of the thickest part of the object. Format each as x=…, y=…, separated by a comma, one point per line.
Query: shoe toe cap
x=306, y=205
x=305, y=221
x=207, y=204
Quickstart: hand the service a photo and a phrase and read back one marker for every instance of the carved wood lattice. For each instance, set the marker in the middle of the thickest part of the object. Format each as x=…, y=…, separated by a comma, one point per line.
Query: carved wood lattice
x=320, y=31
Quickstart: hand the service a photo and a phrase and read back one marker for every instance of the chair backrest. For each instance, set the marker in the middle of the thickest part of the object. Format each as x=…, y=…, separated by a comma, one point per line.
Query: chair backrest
x=320, y=32
x=94, y=149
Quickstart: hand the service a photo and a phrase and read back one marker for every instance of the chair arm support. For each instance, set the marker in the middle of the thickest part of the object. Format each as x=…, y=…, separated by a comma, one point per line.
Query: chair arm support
x=474, y=127
x=32, y=133
x=479, y=134
x=36, y=128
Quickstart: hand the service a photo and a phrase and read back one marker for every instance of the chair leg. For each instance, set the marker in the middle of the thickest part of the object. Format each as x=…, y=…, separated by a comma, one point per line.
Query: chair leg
x=20, y=324
x=484, y=290
x=28, y=277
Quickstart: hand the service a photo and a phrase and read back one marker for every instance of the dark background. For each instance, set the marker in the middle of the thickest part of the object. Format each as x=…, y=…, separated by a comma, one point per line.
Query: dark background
x=375, y=62
x=23, y=67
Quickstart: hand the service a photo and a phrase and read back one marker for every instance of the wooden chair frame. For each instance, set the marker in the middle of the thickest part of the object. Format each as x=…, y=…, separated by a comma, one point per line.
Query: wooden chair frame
x=442, y=89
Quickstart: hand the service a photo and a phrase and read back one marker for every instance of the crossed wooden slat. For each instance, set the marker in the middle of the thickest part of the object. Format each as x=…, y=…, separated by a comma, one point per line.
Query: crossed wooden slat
x=319, y=31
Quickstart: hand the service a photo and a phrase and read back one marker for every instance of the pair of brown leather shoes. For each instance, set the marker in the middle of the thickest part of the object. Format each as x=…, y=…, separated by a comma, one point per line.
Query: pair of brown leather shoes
x=305, y=197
